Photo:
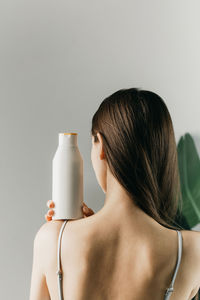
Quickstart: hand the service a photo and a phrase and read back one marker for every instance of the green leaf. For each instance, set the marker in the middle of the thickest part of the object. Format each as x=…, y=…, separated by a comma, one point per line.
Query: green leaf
x=189, y=170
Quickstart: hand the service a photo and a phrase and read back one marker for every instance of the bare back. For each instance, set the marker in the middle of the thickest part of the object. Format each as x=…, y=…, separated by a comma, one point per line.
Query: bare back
x=102, y=264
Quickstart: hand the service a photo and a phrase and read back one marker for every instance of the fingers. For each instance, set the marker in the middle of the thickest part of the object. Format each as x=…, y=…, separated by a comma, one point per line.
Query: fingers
x=87, y=211
x=48, y=218
x=49, y=215
x=50, y=204
x=50, y=212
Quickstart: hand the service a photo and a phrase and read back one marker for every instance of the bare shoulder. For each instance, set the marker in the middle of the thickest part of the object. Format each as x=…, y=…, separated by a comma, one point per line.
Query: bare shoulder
x=44, y=244
x=191, y=252
x=49, y=231
x=46, y=241
x=191, y=240
x=75, y=232
x=45, y=237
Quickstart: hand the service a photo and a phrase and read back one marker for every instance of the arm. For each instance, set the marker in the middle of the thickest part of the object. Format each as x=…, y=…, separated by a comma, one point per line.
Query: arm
x=39, y=289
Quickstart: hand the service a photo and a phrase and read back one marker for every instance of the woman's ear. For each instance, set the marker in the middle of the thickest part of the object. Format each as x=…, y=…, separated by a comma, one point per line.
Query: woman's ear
x=102, y=153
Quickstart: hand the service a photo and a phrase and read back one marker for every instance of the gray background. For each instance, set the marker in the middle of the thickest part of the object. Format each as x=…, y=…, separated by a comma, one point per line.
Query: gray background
x=58, y=61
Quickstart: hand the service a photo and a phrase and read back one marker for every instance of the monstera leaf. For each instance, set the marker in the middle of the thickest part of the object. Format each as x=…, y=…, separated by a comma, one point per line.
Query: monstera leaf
x=189, y=170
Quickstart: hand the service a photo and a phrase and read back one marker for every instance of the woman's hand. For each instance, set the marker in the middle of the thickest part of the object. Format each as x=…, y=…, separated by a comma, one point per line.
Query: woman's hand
x=50, y=204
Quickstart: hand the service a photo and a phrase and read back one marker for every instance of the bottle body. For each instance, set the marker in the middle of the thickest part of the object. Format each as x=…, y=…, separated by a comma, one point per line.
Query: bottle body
x=67, y=179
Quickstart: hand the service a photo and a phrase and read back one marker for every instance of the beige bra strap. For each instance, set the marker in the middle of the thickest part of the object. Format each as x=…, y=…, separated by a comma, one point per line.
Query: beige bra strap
x=59, y=271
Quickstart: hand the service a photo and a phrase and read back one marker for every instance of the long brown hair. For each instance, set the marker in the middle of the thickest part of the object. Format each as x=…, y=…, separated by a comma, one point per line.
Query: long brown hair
x=140, y=149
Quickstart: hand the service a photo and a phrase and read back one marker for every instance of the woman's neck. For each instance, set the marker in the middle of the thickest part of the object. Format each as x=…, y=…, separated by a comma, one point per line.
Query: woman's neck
x=122, y=212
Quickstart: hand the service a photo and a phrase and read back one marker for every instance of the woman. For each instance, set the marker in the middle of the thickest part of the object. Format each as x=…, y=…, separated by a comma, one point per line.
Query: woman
x=128, y=250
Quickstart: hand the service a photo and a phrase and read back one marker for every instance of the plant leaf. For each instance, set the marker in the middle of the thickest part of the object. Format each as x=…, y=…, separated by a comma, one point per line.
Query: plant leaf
x=189, y=170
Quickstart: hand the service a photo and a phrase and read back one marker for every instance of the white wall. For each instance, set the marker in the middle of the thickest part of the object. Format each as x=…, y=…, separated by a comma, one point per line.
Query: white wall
x=58, y=61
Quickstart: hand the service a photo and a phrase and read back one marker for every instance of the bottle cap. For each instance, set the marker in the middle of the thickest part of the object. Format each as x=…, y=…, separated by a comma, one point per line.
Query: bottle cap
x=68, y=139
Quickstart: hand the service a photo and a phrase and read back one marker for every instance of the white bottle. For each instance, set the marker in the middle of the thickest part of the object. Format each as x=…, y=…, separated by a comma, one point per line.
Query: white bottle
x=67, y=179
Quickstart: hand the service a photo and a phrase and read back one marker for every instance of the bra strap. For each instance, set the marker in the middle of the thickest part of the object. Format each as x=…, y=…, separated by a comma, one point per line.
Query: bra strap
x=171, y=287
x=59, y=271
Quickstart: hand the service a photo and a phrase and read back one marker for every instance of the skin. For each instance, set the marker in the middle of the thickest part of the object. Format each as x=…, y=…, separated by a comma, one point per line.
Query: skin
x=117, y=253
